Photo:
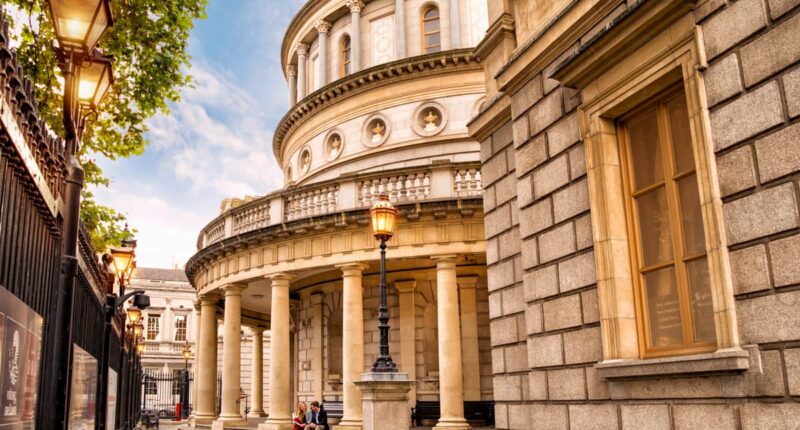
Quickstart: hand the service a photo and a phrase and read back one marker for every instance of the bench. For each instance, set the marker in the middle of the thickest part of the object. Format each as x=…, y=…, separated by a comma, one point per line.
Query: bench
x=334, y=409
x=482, y=410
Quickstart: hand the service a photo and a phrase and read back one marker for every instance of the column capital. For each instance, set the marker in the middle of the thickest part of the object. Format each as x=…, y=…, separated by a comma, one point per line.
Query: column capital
x=257, y=331
x=208, y=299
x=408, y=286
x=352, y=269
x=467, y=282
x=281, y=277
x=355, y=6
x=323, y=26
x=291, y=70
x=234, y=289
x=302, y=49
x=445, y=260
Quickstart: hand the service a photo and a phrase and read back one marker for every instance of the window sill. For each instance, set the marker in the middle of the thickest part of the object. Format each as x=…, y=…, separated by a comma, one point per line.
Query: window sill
x=722, y=361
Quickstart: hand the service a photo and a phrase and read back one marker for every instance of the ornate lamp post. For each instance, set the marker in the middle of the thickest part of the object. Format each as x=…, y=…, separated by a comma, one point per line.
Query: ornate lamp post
x=383, y=216
x=78, y=26
x=187, y=354
x=124, y=263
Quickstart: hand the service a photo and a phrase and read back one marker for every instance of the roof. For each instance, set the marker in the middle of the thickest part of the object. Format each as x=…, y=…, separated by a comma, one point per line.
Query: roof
x=176, y=275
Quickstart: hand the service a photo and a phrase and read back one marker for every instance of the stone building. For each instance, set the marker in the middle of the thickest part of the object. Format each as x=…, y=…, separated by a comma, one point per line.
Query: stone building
x=380, y=96
x=640, y=167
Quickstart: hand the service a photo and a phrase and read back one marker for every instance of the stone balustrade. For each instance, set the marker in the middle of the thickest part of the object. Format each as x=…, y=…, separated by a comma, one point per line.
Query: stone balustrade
x=438, y=181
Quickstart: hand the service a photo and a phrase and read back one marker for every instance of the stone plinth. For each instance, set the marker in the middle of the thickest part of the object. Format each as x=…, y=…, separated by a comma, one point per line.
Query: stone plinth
x=384, y=398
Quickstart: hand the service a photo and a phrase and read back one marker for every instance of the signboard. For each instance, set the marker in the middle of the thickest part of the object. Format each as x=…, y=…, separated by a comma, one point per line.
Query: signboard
x=111, y=404
x=20, y=356
x=83, y=390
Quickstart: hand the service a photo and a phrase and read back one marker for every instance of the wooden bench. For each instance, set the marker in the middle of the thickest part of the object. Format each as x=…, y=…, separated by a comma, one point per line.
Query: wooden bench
x=474, y=411
x=334, y=409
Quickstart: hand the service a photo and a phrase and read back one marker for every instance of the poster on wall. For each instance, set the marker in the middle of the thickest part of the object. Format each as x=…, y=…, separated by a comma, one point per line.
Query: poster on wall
x=20, y=356
x=83, y=390
x=111, y=404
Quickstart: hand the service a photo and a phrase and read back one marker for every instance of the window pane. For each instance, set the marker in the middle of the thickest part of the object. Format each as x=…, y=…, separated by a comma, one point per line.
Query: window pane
x=432, y=40
x=681, y=135
x=431, y=26
x=661, y=301
x=432, y=13
x=702, y=306
x=693, y=232
x=656, y=241
x=645, y=152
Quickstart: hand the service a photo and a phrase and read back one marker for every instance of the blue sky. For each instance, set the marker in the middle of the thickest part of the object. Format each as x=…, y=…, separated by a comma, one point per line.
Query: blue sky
x=217, y=142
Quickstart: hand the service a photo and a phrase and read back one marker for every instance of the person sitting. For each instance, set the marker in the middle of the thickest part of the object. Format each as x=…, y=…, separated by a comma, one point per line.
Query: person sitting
x=299, y=418
x=317, y=418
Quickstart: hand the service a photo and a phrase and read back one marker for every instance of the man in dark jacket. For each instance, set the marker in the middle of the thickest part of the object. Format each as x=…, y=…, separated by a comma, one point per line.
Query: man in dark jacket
x=318, y=419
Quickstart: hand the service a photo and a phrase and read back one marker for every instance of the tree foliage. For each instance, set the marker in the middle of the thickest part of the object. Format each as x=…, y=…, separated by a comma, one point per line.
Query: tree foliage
x=148, y=41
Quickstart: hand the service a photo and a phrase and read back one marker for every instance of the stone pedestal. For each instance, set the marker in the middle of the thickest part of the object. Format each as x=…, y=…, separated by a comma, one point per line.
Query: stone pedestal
x=384, y=399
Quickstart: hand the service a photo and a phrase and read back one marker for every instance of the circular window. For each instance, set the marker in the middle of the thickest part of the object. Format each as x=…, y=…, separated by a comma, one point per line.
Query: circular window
x=429, y=119
x=304, y=161
x=334, y=144
x=376, y=130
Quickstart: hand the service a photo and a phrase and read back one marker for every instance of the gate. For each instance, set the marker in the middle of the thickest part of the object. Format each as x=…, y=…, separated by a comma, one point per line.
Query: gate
x=161, y=391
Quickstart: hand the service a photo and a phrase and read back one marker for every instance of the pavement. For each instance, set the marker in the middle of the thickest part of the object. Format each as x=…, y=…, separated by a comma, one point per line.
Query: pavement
x=253, y=423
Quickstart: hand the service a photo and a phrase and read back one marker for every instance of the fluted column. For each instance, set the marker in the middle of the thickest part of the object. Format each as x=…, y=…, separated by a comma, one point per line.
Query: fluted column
x=445, y=28
x=451, y=396
x=302, y=54
x=352, y=342
x=257, y=381
x=470, y=358
x=291, y=71
x=207, y=355
x=400, y=28
x=231, y=355
x=355, y=33
x=406, y=291
x=280, y=409
x=323, y=27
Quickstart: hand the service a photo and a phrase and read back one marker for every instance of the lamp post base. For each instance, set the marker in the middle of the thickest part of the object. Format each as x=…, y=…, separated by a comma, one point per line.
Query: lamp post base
x=384, y=397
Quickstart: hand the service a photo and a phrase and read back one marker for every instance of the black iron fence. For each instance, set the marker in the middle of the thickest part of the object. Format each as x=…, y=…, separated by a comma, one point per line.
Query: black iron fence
x=162, y=391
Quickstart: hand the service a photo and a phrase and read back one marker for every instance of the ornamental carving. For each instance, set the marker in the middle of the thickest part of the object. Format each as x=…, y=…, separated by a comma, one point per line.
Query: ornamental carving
x=323, y=26
x=429, y=119
x=355, y=6
x=376, y=130
x=302, y=49
x=334, y=144
x=291, y=70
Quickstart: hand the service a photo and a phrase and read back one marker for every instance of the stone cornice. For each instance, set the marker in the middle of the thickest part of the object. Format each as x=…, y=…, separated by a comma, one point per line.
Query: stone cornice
x=338, y=221
x=422, y=66
x=502, y=28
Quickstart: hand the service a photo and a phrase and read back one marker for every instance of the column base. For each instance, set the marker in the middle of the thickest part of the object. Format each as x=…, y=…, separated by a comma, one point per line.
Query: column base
x=257, y=414
x=204, y=418
x=276, y=424
x=451, y=424
x=222, y=423
x=349, y=425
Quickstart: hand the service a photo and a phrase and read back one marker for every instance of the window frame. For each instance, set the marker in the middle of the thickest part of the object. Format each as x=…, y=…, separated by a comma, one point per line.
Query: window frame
x=680, y=257
x=185, y=327
x=423, y=20
x=345, y=47
x=157, y=329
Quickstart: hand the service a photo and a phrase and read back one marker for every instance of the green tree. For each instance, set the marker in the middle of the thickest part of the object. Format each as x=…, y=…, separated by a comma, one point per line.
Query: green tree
x=148, y=41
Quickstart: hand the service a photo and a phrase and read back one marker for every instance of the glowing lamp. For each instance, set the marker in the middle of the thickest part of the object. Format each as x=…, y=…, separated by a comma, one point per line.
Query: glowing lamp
x=383, y=216
x=79, y=24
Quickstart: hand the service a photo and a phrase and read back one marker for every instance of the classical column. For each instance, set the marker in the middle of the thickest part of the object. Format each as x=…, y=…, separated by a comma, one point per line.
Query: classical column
x=455, y=25
x=231, y=356
x=451, y=395
x=445, y=16
x=280, y=409
x=316, y=347
x=407, y=291
x=257, y=381
x=207, y=355
x=323, y=27
x=291, y=71
x=302, y=53
x=400, y=28
x=352, y=342
x=196, y=364
x=470, y=359
x=355, y=33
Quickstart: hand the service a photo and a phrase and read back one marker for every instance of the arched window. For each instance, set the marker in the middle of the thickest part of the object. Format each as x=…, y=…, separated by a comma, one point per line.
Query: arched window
x=431, y=33
x=345, y=57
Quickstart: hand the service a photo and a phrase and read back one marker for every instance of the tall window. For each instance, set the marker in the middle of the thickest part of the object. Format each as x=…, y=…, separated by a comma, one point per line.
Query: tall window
x=153, y=323
x=671, y=275
x=180, y=328
x=345, y=56
x=431, y=34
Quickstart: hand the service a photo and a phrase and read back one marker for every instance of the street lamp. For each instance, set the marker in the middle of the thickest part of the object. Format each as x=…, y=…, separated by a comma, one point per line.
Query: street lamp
x=78, y=26
x=123, y=258
x=187, y=354
x=383, y=216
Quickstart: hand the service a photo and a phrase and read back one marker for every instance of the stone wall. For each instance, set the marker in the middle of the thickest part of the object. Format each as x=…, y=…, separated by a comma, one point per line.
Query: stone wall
x=545, y=327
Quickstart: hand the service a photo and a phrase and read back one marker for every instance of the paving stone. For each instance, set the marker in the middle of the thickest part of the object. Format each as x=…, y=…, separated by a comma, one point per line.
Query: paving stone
x=746, y=116
x=732, y=25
